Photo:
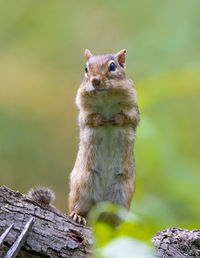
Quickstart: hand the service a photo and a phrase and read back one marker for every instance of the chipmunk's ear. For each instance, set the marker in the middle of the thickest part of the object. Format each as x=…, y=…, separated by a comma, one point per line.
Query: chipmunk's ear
x=88, y=54
x=121, y=55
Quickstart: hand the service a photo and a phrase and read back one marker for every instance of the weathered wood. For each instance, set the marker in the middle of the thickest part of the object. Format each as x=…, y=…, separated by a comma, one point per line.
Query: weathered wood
x=53, y=233
x=19, y=243
x=177, y=242
x=4, y=235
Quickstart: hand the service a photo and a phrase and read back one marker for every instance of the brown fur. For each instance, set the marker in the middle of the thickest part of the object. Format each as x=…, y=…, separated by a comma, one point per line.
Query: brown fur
x=95, y=119
x=108, y=116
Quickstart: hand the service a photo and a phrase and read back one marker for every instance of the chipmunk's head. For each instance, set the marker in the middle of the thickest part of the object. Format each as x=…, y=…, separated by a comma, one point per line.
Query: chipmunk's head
x=102, y=70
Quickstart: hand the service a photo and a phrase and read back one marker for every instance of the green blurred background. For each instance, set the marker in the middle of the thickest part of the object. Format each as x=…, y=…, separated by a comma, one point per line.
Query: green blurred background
x=41, y=67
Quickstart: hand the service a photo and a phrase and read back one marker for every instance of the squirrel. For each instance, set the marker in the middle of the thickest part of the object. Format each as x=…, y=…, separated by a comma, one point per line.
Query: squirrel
x=108, y=117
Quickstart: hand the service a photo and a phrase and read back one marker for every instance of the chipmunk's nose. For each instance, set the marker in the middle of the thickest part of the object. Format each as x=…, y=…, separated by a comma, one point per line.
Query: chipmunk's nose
x=95, y=82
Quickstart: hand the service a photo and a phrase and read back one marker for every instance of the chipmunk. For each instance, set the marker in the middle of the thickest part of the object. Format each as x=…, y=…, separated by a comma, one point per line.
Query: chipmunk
x=108, y=117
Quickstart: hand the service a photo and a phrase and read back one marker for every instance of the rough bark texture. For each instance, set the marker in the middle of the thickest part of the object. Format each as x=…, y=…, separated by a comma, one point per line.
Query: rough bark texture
x=53, y=234
x=177, y=242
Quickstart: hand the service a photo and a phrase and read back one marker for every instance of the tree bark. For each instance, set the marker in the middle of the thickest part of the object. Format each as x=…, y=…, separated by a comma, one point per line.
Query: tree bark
x=54, y=234
x=177, y=242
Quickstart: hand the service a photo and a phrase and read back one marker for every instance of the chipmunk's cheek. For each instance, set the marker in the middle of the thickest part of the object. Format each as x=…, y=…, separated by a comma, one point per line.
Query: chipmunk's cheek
x=108, y=83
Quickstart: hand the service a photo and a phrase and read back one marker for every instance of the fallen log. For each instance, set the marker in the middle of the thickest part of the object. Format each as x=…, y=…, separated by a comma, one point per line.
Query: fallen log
x=55, y=234
x=177, y=242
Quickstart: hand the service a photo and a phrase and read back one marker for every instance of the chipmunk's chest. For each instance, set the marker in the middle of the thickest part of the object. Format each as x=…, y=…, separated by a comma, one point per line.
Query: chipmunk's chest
x=107, y=105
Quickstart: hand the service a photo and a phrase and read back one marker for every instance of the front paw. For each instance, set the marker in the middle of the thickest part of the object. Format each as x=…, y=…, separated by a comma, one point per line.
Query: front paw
x=96, y=120
x=99, y=120
x=79, y=219
x=117, y=119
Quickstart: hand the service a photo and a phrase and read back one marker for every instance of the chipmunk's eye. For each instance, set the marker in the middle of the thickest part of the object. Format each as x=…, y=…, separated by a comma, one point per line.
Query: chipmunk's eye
x=86, y=70
x=112, y=67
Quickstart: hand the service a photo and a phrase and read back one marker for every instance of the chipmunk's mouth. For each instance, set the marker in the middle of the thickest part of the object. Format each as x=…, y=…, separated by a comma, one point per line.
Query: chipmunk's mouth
x=98, y=89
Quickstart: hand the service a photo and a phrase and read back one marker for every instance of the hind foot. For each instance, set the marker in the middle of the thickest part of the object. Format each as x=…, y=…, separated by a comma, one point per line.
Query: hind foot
x=79, y=219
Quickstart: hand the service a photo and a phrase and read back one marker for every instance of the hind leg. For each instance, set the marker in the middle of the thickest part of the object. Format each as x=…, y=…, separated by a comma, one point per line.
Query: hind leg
x=121, y=191
x=80, y=204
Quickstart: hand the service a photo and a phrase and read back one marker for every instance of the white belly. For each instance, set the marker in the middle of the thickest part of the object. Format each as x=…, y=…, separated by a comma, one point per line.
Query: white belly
x=111, y=144
x=110, y=150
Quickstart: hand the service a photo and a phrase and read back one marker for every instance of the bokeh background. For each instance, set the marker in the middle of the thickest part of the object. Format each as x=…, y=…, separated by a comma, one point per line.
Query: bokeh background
x=41, y=67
